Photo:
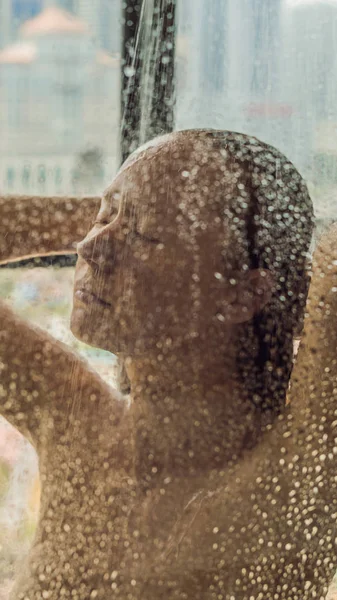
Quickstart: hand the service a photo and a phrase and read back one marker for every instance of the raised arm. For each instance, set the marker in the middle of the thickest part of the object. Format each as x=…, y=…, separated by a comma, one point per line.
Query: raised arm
x=268, y=529
x=36, y=226
x=314, y=379
x=44, y=386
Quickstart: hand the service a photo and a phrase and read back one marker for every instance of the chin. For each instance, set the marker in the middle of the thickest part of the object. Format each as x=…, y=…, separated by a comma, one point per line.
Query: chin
x=101, y=335
x=102, y=329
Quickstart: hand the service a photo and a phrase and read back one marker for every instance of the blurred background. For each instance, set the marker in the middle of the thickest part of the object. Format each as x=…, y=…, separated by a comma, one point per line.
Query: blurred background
x=59, y=95
x=43, y=296
x=263, y=67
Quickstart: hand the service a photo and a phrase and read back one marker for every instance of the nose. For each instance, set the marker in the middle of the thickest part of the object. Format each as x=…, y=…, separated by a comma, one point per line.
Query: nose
x=98, y=250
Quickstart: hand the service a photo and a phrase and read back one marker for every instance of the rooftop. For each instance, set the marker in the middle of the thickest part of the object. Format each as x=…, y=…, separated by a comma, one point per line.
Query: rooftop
x=53, y=20
x=19, y=53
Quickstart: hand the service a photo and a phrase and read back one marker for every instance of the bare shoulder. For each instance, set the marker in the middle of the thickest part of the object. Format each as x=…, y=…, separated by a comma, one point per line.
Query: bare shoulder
x=325, y=256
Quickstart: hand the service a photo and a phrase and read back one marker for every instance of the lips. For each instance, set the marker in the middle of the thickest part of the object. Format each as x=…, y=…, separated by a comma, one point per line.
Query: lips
x=87, y=297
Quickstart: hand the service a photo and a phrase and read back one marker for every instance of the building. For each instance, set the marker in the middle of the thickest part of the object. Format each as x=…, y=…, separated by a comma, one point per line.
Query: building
x=202, y=63
x=311, y=78
x=6, y=23
x=229, y=67
x=102, y=16
x=59, y=100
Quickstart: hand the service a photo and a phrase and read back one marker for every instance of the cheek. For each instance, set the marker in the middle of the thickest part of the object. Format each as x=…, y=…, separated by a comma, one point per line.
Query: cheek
x=172, y=288
x=81, y=270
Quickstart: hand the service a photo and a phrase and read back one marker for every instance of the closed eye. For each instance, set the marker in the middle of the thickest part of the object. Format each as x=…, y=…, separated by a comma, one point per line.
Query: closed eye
x=146, y=238
x=101, y=222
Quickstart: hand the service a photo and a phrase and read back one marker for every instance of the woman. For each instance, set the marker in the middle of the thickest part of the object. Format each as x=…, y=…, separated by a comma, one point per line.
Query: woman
x=194, y=271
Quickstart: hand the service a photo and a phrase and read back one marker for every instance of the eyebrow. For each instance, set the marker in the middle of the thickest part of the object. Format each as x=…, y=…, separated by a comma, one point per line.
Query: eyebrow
x=111, y=199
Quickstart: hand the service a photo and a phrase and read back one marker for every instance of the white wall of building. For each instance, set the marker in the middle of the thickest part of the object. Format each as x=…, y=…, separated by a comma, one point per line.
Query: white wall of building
x=5, y=22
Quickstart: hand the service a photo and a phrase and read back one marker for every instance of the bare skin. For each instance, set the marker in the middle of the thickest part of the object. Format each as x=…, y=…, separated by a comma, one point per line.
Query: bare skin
x=188, y=494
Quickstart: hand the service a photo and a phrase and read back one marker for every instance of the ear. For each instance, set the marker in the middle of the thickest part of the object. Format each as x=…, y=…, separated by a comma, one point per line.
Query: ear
x=254, y=291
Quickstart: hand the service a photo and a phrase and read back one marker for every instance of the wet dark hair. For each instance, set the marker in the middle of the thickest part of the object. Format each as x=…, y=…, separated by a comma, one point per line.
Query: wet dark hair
x=275, y=228
x=271, y=222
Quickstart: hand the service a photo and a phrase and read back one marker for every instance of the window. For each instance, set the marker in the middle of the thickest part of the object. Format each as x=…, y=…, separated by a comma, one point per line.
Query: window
x=192, y=454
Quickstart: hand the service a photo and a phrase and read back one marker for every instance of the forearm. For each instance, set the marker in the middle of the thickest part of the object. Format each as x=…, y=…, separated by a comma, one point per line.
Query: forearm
x=36, y=226
x=42, y=381
x=314, y=380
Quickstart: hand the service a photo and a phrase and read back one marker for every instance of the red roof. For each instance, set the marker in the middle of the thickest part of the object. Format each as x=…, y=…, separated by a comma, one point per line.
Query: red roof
x=53, y=20
x=20, y=53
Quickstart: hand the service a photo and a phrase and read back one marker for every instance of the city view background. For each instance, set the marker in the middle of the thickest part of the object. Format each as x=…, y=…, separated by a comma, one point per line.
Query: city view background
x=261, y=67
x=59, y=95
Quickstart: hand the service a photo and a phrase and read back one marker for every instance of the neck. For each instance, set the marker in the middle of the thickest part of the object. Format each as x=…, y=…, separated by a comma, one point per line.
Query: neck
x=189, y=412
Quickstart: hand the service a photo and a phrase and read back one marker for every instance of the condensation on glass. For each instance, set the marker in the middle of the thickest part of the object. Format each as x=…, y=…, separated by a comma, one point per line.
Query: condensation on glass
x=191, y=459
x=268, y=69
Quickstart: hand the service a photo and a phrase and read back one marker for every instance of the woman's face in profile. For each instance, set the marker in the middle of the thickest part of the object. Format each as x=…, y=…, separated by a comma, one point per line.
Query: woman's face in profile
x=149, y=263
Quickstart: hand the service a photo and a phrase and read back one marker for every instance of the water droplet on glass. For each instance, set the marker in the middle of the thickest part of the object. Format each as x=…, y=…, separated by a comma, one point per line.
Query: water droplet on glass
x=129, y=71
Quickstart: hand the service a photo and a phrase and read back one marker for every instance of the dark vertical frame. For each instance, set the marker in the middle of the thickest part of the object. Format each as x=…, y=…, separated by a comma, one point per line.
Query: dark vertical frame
x=162, y=114
x=133, y=92
x=130, y=86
